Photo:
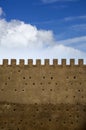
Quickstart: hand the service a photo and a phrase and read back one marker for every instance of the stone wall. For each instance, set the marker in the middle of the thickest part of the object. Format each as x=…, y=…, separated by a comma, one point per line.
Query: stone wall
x=42, y=97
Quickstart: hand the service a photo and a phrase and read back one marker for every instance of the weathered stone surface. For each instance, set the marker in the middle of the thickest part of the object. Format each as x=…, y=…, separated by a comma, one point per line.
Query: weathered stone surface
x=42, y=97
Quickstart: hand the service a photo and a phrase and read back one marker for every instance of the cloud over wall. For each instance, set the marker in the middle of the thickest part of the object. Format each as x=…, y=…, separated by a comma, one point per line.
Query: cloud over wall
x=21, y=40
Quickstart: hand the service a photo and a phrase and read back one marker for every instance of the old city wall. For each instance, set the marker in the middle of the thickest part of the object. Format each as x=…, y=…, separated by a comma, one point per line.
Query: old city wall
x=42, y=97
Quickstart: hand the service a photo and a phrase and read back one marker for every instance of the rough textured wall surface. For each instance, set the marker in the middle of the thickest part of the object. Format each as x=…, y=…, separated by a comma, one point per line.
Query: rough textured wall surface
x=42, y=97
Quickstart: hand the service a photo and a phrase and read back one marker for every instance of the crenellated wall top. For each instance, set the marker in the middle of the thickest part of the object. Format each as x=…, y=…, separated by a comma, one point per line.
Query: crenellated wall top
x=38, y=62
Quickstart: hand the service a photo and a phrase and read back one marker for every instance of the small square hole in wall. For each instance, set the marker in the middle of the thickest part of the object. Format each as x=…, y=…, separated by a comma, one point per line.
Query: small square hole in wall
x=2, y=89
x=41, y=83
x=64, y=122
x=34, y=115
x=71, y=83
x=5, y=83
x=43, y=77
x=84, y=109
x=80, y=83
x=79, y=90
x=15, y=90
x=33, y=83
x=74, y=96
x=9, y=78
x=2, y=127
x=23, y=77
x=50, y=120
x=41, y=123
x=71, y=122
x=14, y=109
x=50, y=89
x=82, y=97
x=5, y=122
x=67, y=77
x=37, y=109
x=74, y=77
x=43, y=89
x=51, y=77
x=36, y=103
x=29, y=77
x=19, y=71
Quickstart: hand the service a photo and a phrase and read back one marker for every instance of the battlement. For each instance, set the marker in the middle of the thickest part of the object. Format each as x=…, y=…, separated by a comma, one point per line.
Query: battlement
x=42, y=95
x=38, y=62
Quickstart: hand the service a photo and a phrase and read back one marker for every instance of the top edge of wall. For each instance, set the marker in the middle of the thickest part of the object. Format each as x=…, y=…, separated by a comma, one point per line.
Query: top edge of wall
x=38, y=62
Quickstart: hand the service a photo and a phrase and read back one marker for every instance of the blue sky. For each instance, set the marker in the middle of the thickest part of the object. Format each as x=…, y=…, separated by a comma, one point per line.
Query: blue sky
x=63, y=20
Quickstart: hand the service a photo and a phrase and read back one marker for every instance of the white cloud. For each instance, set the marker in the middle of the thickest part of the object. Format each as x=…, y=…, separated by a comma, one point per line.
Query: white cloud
x=57, y=52
x=21, y=40
x=52, y=1
x=82, y=17
x=77, y=42
x=73, y=41
x=1, y=12
x=18, y=34
x=78, y=27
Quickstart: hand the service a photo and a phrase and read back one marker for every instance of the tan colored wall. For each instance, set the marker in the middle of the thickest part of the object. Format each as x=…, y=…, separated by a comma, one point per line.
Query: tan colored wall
x=42, y=97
